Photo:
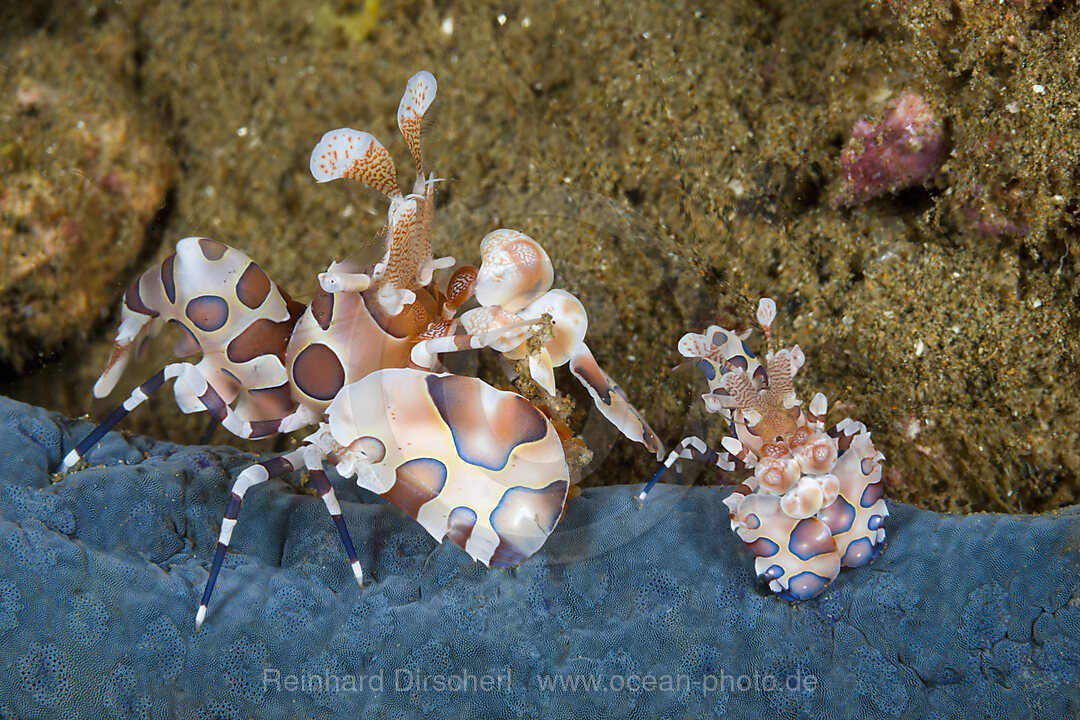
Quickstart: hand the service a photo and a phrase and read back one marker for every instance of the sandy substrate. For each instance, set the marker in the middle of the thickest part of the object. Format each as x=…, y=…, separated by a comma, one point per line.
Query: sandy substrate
x=677, y=160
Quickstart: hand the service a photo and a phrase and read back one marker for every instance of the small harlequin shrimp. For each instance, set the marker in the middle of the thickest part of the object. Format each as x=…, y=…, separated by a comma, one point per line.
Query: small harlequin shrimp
x=815, y=501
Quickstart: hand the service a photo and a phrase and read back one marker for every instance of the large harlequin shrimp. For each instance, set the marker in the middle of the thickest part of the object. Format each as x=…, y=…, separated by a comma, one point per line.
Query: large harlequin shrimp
x=482, y=467
x=815, y=501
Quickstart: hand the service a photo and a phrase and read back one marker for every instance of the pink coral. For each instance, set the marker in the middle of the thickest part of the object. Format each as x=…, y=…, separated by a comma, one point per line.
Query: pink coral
x=904, y=149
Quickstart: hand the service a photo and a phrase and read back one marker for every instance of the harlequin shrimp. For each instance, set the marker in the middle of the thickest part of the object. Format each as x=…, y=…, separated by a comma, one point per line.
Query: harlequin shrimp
x=483, y=467
x=815, y=501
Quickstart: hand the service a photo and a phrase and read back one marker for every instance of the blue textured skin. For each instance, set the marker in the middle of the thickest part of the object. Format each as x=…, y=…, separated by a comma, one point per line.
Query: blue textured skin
x=100, y=575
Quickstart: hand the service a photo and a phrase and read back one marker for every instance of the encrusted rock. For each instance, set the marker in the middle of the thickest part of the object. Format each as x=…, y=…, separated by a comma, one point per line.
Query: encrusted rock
x=82, y=174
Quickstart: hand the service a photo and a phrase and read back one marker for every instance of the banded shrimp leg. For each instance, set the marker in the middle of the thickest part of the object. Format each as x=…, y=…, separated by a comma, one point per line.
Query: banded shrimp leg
x=308, y=457
x=691, y=448
x=185, y=373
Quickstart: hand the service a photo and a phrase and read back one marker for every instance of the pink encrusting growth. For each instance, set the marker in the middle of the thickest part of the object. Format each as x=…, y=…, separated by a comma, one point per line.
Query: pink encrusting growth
x=904, y=149
x=815, y=500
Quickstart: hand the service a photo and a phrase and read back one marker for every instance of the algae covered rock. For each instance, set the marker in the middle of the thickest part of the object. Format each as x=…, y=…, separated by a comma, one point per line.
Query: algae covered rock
x=82, y=174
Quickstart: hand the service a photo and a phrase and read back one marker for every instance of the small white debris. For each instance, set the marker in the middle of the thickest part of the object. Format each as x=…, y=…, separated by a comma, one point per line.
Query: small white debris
x=880, y=95
x=526, y=21
x=920, y=348
x=1039, y=89
x=501, y=19
x=914, y=427
x=1036, y=303
x=447, y=26
x=241, y=132
x=848, y=320
x=1013, y=108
